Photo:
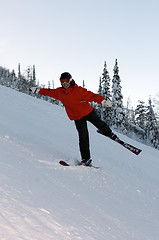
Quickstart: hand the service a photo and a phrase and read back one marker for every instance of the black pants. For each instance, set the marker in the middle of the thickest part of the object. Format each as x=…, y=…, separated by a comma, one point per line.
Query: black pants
x=81, y=126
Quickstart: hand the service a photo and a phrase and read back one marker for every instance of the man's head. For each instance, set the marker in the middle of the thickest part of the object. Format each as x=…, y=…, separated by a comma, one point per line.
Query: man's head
x=65, y=79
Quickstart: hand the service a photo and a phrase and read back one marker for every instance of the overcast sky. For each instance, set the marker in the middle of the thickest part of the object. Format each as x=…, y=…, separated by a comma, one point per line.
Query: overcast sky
x=78, y=36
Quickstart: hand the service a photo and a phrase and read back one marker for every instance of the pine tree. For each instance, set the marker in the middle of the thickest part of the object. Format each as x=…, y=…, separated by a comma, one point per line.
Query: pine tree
x=12, y=79
x=156, y=106
x=118, y=115
x=19, y=71
x=140, y=115
x=105, y=92
x=34, y=75
x=53, y=87
x=83, y=84
x=129, y=118
x=19, y=77
x=151, y=126
x=100, y=87
x=8, y=78
x=49, y=84
x=31, y=77
x=3, y=76
x=22, y=85
x=96, y=106
x=129, y=112
x=105, y=82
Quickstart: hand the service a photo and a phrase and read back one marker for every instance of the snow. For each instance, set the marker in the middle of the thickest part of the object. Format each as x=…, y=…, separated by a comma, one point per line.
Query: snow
x=42, y=200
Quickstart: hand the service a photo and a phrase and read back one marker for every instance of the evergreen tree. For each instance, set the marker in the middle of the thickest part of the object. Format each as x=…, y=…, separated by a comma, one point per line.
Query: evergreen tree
x=23, y=85
x=140, y=115
x=129, y=118
x=118, y=115
x=34, y=75
x=151, y=126
x=156, y=107
x=53, y=87
x=105, y=82
x=100, y=87
x=8, y=78
x=19, y=71
x=31, y=77
x=105, y=92
x=129, y=112
x=83, y=84
x=96, y=106
x=3, y=76
x=12, y=79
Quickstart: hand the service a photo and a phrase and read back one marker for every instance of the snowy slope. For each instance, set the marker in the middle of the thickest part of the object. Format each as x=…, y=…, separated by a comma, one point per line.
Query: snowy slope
x=42, y=200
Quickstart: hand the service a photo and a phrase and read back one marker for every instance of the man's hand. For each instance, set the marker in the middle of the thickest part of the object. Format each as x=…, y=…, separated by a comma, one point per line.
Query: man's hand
x=34, y=89
x=106, y=103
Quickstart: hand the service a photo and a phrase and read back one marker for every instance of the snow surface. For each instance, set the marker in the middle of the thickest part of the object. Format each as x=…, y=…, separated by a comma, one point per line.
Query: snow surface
x=39, y=199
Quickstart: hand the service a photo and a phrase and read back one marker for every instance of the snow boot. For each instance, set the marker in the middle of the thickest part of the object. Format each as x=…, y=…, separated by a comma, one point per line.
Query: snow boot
x=113, y=136
x=87, y=162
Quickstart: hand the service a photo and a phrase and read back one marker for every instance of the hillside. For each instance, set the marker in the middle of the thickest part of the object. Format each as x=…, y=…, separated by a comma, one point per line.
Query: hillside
x=42, y=200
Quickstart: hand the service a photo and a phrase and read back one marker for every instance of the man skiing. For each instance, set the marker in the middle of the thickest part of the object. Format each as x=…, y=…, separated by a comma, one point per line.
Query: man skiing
x=76, y=102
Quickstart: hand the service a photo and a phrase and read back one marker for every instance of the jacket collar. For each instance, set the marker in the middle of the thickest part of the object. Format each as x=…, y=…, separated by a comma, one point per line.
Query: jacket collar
x=68, y=90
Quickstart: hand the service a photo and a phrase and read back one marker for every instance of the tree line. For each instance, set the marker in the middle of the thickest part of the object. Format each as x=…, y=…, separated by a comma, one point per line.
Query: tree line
x=141, y=122
x=23, y=81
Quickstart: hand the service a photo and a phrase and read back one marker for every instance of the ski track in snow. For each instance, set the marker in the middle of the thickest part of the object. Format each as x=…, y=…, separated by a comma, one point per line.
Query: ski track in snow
x=42, y=200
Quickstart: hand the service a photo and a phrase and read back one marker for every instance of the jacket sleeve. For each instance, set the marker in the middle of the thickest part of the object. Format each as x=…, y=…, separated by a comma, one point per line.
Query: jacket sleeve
x=90, y=96
x=54, y=93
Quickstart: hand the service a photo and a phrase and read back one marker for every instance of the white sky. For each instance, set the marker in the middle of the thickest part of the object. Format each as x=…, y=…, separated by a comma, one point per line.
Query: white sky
x=78, y=36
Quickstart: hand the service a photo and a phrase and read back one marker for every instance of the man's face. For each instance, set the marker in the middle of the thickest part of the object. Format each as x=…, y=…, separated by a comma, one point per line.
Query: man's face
x=65, y=82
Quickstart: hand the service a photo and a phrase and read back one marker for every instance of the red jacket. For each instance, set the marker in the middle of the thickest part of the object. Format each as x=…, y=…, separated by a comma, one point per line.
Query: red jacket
x=75, y=100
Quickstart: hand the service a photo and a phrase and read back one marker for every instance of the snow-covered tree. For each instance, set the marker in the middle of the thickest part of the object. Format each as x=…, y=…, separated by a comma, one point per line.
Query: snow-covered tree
x=105, y=82
x=96, y=106
x=22, y=85
x=152, y=133
x=83, y=84
x=129, y=112
x=106, y=93
x=8, y=78
x=31, y=76
x=118, y=114
x=34, y=75
x=53, y=85
x=19, y=71
x=156, y=106
x=3, y=73
x=140, y=115
x=100, y=87
x=129, y=118
x=12, y=79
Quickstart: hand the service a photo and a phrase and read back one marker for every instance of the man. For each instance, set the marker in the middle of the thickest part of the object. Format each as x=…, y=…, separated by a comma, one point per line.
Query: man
x=76, y=102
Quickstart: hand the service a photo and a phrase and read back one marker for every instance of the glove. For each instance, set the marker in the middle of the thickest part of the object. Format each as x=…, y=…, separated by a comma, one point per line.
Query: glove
x=34, y=89
x=106, y=103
